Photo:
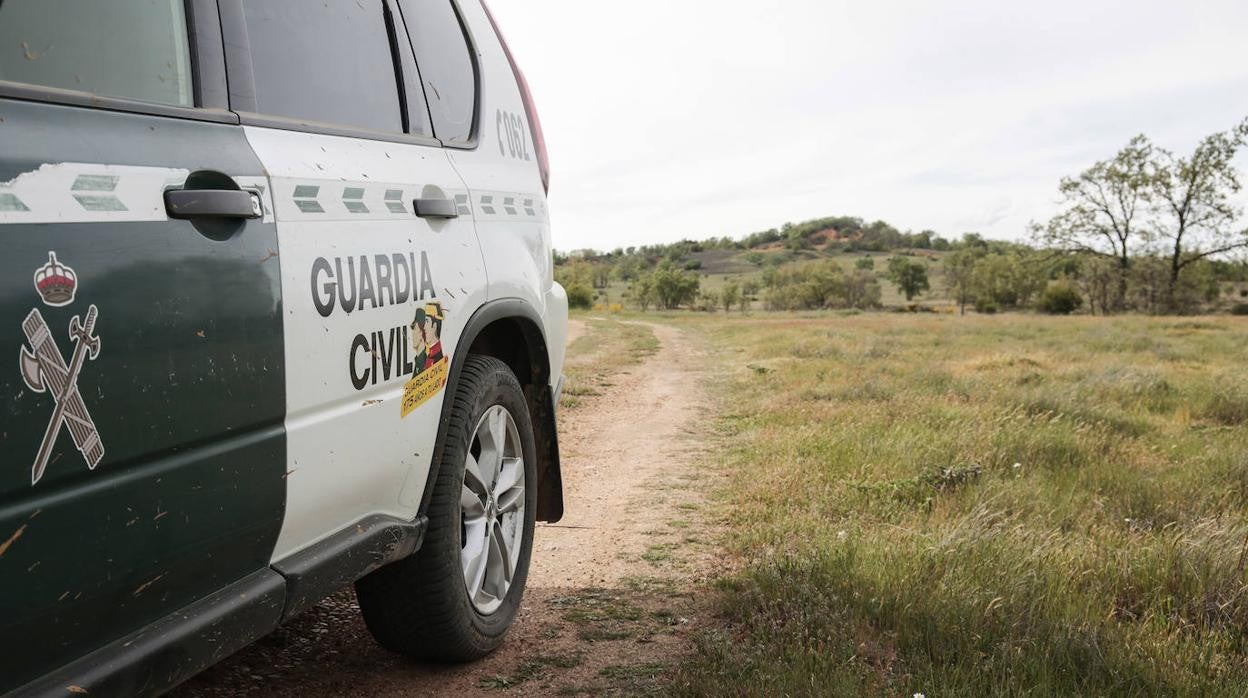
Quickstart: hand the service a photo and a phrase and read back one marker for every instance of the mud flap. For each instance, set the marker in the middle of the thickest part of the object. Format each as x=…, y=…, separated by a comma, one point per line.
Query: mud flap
x=549, y=475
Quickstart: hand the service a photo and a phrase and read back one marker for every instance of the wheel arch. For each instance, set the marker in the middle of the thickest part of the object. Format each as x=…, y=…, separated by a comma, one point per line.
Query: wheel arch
x=510, y=330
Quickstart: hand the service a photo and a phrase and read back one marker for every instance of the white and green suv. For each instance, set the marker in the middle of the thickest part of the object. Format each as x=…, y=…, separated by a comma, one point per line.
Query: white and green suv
x=278, y=303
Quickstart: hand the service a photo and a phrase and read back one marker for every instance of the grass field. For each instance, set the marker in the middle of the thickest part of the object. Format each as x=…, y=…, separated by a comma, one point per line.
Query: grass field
x=1005, y=505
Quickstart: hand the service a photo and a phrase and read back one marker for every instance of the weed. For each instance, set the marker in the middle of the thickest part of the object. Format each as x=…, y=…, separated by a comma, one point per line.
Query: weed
x=658, y=553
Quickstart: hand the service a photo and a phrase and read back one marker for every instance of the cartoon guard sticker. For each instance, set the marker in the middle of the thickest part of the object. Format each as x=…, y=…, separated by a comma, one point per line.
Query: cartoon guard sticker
x=432, y=366
x=44, y=369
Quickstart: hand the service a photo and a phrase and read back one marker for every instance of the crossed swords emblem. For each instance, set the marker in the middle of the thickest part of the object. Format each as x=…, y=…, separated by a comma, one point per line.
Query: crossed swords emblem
x=44, y=370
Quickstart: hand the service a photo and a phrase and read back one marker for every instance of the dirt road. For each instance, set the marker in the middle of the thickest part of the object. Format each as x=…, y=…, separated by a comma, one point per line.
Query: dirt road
x=609, y=604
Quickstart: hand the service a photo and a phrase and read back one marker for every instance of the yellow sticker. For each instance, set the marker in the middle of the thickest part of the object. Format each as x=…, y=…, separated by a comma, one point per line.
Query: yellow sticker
x=424, y=385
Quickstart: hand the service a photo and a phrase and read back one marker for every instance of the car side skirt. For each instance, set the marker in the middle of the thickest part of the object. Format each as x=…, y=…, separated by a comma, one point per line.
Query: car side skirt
x=175, y=648
x=321, y=569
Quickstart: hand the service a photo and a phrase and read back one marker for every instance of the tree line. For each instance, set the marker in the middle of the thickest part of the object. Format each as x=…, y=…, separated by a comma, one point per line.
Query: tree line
x=1144, y=231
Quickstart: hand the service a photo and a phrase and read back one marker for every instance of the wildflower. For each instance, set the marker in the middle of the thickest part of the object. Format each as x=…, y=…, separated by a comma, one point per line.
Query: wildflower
x=841, y=535
x=1017, y=466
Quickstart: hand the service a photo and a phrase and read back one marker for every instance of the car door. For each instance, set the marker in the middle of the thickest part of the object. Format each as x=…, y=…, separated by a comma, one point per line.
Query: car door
x=380, y=263
x=142, y=396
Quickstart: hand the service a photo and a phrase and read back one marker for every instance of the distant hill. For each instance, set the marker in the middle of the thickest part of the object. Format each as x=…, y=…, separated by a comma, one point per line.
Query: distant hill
x=1011, y=273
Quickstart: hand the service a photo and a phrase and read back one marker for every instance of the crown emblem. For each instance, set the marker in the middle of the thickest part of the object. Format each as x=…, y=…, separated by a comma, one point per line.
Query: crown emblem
x=56, y=282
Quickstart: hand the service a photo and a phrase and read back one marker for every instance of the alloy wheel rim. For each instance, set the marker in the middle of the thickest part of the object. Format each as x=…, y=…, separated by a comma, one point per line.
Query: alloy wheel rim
x=492, y=509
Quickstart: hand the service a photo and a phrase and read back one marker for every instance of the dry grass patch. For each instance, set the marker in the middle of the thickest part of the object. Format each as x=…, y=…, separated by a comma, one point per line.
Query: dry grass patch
x=992, y=506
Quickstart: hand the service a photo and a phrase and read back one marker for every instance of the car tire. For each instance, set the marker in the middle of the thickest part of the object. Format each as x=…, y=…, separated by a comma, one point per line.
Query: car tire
x=423, y=606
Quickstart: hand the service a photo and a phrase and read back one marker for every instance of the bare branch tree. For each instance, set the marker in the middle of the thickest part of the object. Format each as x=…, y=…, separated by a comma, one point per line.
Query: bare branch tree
x=1105, y=208
x=1195, y=212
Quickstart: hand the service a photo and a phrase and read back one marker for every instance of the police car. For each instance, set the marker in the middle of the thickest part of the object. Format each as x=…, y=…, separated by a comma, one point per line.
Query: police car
x=276, y=292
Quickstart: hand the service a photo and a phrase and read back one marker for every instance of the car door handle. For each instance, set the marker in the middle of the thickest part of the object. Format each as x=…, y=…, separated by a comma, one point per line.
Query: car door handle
x=435, y=208
x=212, y=203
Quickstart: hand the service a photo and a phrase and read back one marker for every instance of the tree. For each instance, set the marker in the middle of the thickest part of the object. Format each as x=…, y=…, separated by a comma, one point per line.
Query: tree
x=575, y=272
x=729, y=295
x=823, y=283
x=806, y=286
x=974, y=241
x=1104, y=208
x=960, y=276
x=862, y=290
x=1194, y=204
x=1007, y=279
x=909, y=275
x=642, y=291
x=601, y=274
x=748, y=290
x=1099, y=278
x=673, y=287
x=1151, y=291
x=629, y=267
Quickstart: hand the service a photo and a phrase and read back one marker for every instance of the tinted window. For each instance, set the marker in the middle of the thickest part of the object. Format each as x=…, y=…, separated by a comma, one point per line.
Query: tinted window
x=135, y=49
x=446, y=66
x=327, y=61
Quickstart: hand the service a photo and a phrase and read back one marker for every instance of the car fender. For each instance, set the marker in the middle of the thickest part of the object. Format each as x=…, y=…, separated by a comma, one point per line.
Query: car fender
x=538, y=390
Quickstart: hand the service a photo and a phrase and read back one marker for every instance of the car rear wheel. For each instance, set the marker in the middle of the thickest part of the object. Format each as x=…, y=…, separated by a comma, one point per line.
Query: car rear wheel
x=455, y=599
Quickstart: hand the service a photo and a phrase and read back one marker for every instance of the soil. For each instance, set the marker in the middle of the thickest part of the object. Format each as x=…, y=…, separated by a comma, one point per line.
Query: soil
x=612, y=597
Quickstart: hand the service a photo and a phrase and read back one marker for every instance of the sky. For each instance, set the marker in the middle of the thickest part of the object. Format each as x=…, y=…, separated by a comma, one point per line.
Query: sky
x=696, y=118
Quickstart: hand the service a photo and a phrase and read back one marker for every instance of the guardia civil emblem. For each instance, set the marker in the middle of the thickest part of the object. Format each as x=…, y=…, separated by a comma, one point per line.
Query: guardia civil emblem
x=56, y=283
x=44, y=369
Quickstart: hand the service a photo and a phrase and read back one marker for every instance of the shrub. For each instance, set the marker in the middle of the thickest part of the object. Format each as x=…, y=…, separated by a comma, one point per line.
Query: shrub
x=1239, y=309
x=986, y=306
x=580, y=296
x=806, y=287
x=1061, y=298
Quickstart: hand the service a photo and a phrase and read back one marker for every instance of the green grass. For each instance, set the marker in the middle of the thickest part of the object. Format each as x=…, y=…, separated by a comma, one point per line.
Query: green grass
x=980, y=506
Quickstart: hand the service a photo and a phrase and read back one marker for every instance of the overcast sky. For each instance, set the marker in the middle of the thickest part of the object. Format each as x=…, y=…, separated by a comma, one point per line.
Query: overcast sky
x=692, y=118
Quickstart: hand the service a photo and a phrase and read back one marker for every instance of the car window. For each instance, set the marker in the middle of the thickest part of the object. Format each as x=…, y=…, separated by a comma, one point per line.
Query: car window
x=446, y=66
x=328, y=61
x=132, y=49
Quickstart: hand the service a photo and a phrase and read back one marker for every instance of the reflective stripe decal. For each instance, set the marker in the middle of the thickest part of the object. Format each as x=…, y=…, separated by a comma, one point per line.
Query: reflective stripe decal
x=394, y=201
x=94, y=202
x=73, y=192
x=502, y=206
x=355, y=201
x=374, y=201
x=95, y=183
x=10, y=202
